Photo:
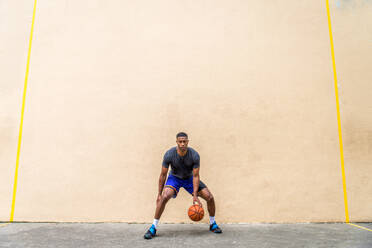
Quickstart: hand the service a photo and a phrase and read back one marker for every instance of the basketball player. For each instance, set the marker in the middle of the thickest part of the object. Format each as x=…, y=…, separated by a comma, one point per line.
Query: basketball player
x=185, y=163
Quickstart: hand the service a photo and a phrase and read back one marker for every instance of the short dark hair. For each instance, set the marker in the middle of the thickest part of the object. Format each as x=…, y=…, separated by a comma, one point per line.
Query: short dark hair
x=181, y=134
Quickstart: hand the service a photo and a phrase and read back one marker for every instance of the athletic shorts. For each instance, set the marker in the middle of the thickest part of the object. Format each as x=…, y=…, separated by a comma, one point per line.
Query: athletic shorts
x=176, y=183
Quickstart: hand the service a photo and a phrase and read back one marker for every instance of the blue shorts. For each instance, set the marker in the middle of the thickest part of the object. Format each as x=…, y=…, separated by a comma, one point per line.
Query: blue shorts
x=176, y=183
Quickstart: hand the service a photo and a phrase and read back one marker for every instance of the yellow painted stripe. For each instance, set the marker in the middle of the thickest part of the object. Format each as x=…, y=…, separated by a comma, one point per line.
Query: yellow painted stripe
x=338, y=116
x=362, y=227
x=22, y=113
x=3, y=225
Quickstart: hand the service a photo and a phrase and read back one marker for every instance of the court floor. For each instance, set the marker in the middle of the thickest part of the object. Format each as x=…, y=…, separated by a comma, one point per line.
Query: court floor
x=184, y=235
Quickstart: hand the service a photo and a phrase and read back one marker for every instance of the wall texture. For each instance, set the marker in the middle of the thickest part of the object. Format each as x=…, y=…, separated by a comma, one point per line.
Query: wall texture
x=112, y=82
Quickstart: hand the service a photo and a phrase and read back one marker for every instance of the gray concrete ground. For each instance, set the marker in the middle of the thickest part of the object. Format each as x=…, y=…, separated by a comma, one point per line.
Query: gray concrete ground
x=184, y=235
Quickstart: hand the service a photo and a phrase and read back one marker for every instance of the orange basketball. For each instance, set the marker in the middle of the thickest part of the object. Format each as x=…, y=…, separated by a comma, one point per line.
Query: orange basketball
x=196, y=212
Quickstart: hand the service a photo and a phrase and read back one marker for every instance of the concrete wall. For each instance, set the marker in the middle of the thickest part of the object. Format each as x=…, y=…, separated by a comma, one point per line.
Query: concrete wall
x=251, y=82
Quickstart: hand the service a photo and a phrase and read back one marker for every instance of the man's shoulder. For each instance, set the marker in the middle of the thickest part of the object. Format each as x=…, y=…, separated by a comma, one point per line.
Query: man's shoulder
x=171, y=151
x=193, y=151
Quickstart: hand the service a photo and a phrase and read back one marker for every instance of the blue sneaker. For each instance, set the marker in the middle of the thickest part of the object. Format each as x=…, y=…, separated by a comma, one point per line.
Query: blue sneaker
x=214, y=228
x=150, y=233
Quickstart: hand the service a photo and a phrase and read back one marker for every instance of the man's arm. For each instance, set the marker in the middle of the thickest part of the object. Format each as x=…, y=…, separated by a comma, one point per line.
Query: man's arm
x=162, y=178
x=195, y=182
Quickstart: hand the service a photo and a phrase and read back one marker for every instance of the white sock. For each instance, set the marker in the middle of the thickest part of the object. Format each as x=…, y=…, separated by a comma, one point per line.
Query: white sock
x=155, y=223
x=211, y=219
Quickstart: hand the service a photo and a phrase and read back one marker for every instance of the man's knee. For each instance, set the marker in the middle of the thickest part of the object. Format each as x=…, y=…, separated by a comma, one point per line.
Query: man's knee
x=210, y=197
x=165, y=198
x=166, y=195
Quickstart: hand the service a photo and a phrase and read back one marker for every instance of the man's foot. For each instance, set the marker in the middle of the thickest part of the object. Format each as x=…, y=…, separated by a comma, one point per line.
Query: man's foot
x=214, y=228
x=150, y=233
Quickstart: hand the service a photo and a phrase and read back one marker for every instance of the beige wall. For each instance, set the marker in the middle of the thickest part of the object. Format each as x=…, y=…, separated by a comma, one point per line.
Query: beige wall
x=112, y=82
x=353, y=39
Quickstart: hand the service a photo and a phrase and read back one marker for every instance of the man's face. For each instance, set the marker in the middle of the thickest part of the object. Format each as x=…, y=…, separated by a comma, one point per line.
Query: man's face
x=182, y=143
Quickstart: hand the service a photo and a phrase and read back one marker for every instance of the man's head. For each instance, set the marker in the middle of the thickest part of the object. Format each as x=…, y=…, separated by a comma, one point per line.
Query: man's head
x=182, y=141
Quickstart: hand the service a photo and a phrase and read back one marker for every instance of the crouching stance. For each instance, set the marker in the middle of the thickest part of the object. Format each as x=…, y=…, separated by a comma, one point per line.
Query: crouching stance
x=185, y=164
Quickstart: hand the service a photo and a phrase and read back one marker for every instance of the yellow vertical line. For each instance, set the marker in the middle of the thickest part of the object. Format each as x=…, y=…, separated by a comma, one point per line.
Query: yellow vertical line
x=338, y=116
x=22, y=113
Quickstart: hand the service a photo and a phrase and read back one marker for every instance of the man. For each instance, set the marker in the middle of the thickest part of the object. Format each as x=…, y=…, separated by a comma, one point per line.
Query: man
x=185, y=163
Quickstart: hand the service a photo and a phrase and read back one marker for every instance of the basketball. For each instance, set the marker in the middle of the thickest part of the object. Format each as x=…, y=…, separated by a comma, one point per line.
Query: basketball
x=196, y=212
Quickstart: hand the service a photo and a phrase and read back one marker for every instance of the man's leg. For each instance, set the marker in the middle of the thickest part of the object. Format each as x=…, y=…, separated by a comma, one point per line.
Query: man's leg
x=160, y=205
x=162, y=201
x=208, y=197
